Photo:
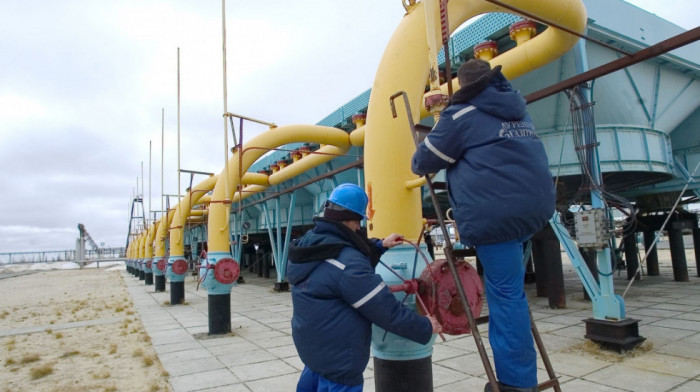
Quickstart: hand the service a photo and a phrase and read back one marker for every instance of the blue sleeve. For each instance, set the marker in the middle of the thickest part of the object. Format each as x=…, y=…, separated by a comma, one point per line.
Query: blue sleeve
x=378, y=244
x=441, y=148
x=365, y=291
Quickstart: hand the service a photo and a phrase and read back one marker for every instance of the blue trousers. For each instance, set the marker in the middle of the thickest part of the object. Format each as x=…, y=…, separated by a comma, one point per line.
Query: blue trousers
x=311, y=381
x=509, y=316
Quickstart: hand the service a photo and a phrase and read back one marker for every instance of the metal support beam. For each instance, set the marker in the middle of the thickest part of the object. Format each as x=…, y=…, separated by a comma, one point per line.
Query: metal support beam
x=662, y=47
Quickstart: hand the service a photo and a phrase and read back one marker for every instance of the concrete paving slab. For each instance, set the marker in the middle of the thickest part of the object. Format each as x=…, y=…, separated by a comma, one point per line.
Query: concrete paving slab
x=202, y=380
x=633, y=379
x=259, y=354
x=192, y=366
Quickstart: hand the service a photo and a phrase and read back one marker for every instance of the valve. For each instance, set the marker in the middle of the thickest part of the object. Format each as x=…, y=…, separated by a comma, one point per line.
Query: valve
x=149, y=264
x=226, y=271
x=179, y=267
x=162, y=264
x=438, y=291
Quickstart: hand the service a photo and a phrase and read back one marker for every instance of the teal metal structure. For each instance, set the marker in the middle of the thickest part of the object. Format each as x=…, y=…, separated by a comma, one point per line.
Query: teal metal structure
x=647, y=122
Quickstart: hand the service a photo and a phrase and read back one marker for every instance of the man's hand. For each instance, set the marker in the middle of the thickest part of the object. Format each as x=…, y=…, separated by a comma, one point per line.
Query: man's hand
x=392, y=240
x=437, y=328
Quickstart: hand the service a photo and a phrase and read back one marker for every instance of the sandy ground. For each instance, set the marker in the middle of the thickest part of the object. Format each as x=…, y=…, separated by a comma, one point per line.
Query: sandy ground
x=66, y=329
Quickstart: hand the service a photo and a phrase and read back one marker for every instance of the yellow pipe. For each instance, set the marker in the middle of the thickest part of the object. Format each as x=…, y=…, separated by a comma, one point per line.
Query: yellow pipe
x=149, y=240
x=182, y=211
x=322, y=155
x=250, y=190
x=255, y=178
x=405, y=67
x=142, y=242
x=203, y=200
x=415, y=183
x=196, y=219
x=548, y=46
x=162, y=233
x=218, y=225
x=357, y=137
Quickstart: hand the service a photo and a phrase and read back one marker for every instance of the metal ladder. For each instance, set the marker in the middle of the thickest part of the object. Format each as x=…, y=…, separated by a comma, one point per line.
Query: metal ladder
x=419, y=132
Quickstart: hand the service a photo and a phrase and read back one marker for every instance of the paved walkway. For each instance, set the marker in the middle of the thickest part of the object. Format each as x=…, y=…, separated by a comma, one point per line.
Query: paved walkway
x=259, y=356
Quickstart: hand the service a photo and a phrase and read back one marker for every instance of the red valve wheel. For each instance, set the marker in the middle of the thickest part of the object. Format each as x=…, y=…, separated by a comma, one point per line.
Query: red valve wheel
x=161, y=264
x=179, y=266
x=226, y=271
x=439, y=292
x=149, y=264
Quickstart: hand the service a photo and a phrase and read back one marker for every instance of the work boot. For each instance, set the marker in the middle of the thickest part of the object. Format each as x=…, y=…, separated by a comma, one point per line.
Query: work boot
x=508, y=388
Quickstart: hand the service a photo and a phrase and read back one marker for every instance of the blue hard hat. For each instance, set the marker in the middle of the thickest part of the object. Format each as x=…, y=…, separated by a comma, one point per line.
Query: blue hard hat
x=350, y=197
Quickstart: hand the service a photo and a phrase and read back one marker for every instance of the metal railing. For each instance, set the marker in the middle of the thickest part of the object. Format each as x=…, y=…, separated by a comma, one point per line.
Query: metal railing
x=60, y=255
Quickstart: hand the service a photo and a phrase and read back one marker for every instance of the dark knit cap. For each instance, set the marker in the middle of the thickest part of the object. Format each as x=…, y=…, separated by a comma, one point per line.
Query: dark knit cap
x=476, y=74
x=337, y=213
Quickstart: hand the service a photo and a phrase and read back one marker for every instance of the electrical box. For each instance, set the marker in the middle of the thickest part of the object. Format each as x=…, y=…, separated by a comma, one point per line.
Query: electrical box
x=592, y=228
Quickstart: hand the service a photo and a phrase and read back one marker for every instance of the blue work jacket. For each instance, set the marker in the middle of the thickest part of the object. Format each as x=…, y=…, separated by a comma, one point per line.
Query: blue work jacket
x=337, y=296
x=499, y=183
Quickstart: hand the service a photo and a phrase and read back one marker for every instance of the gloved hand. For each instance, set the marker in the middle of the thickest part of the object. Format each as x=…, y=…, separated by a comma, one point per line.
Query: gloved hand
x=392, y=240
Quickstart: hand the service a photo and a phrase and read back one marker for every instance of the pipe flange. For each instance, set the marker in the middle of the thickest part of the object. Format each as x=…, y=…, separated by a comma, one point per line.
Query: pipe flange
x=162, y=264
x=522, y=26
x=439, y=292
x=226, y=271
x=179, y=267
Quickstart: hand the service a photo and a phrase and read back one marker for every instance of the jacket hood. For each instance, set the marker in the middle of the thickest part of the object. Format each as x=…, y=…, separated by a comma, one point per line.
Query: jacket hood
x=499, y=99
x=325, y=241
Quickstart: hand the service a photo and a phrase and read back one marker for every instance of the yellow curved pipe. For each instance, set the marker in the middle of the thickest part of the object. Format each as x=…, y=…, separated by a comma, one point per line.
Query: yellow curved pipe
x=405, y=67
x=538, y=51
x=182, y=212
x=322, y=155
x=357, y=137
x=149, y=240
x=218, y=224
x=196, y=219
x=250, y=178
x=162, y=233
x=204, y=200
x=142, y=242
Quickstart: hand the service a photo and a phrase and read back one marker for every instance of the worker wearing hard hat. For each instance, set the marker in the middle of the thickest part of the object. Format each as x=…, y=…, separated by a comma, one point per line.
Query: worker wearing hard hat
x=337, y=296
x=501, y=193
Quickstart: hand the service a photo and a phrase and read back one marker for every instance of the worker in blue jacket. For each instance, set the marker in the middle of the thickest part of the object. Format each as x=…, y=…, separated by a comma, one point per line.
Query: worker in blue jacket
x=337, y=296
x=501, y=193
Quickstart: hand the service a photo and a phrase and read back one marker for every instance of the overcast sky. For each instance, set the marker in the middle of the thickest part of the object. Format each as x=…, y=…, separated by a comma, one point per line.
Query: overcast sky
x=83, y=83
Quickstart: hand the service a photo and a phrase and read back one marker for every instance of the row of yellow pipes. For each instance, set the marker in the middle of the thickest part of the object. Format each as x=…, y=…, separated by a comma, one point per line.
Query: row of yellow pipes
x=395, y=198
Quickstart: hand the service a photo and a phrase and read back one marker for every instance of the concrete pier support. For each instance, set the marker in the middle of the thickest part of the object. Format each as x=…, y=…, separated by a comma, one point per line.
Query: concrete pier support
x=678, y=261
x=653, y=257
x=590, y=256
x=696, y=245
x=219, y=313
x=409, y=376
x=549, y=275
x=631, y=257
x=160, y=283
x=177, y=293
